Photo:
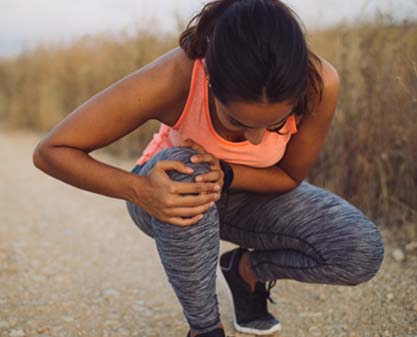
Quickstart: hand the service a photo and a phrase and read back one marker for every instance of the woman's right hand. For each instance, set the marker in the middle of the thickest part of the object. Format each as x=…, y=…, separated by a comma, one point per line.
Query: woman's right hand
x=175, y=202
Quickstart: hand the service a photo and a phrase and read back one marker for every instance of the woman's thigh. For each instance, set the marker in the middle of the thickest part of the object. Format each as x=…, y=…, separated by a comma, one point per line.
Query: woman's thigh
x=308, y=219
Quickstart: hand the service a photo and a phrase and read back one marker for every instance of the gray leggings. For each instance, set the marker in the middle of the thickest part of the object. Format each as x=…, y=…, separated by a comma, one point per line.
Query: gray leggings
x=308, y=234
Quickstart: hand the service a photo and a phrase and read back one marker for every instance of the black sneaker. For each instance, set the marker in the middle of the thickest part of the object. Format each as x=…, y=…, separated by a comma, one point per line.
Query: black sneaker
x=250, y=314
x=218, y=332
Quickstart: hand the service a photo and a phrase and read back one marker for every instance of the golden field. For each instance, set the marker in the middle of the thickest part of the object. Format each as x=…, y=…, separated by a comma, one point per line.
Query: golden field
x=370, y=154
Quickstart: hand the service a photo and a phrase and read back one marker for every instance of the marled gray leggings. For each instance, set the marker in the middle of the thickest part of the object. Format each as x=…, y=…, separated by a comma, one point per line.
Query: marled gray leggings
x=308, y=234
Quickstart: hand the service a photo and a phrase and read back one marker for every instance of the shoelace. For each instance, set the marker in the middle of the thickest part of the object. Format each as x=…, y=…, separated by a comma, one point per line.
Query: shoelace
x=267, y=294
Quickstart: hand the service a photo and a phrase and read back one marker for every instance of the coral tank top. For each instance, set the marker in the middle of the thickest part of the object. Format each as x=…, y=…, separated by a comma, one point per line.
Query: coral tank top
x=195, y=123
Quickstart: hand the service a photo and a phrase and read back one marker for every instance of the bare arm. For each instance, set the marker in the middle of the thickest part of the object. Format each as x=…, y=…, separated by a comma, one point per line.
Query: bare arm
x=114, y=112
x=155, y=90
x=262, y=180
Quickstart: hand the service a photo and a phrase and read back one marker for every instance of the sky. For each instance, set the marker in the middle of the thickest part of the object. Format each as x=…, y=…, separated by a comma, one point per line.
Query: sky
x=24, y=23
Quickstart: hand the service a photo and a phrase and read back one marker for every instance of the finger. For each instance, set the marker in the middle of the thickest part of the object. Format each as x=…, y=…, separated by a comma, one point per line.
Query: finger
x=212, y=176
x=194, y=200
x=179, y=187
x=189, y=211
x=178, y=221
x=173, y=165
x=203, y=158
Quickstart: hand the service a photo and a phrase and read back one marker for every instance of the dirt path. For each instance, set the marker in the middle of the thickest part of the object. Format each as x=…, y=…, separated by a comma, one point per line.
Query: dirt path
x=72, y=263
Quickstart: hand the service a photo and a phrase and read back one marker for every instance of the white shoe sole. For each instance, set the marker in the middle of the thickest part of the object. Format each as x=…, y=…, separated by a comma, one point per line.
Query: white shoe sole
x=239, y=328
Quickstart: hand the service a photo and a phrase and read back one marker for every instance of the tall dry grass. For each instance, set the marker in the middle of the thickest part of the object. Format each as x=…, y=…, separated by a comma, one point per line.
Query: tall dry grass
x=41, y=86
x=369, y=157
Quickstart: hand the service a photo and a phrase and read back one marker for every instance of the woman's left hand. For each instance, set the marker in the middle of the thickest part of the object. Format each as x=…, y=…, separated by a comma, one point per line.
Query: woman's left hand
x=216, y=174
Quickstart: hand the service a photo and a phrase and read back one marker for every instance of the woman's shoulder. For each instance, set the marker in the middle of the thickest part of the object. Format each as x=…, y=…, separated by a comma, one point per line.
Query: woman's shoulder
x=331, y=83
x=329, y=73
x=180, y=81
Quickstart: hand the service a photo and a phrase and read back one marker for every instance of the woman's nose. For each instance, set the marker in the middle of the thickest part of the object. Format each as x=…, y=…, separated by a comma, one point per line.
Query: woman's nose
x=255, y=136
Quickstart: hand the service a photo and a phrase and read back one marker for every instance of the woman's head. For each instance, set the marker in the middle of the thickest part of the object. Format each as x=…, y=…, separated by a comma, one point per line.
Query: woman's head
x=254, y=50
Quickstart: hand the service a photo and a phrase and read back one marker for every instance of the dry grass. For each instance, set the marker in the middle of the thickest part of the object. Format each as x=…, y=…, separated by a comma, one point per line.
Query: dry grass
x=45, y=84
x=372, y=147
x=369, y=157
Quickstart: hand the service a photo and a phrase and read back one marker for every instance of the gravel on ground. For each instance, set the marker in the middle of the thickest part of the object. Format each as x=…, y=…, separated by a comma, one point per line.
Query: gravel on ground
x=73, y=263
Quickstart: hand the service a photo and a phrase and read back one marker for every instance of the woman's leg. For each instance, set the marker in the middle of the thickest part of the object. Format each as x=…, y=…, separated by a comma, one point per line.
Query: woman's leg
x=308, y=234
x=188, y=254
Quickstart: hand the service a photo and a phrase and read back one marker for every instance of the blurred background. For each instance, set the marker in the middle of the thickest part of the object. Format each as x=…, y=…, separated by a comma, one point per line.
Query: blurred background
x=54, y=55
x=74, y=264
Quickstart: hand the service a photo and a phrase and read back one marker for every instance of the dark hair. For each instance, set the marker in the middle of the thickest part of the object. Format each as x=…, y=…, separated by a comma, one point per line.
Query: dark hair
x=255, y=51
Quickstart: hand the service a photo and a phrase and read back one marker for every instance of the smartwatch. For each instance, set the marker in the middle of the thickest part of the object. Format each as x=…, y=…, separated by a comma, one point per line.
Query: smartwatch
x=228, y=175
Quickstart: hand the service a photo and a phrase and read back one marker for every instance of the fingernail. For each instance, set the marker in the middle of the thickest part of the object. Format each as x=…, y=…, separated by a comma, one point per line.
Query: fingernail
x=189, y=169
x=217, y=187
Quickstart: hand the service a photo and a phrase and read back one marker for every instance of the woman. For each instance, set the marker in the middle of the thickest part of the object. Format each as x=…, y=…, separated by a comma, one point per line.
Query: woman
x=245, y=108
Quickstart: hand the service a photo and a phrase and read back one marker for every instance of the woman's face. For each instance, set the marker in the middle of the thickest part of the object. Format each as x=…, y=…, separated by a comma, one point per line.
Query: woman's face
x=252, y=119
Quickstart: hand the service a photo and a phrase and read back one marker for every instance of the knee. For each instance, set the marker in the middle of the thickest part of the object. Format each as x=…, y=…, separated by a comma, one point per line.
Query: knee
x=184, y=155
x=366, y=255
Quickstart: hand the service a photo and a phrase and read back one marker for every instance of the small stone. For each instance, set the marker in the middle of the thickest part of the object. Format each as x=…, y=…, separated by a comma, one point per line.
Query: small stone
x=67, y=319
x=310, y=314
x=341, y=327
x=37, y=278
x=320, y=297
x=111, y=322
x=17, y=333
x=410, y=247
x=98, y=299
x=123, y=332
x=138, y=305
x=110, y=292
x=314, y=330
x=398, y=255
x=390, y=297
x=43, y=331
x=386, y=333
